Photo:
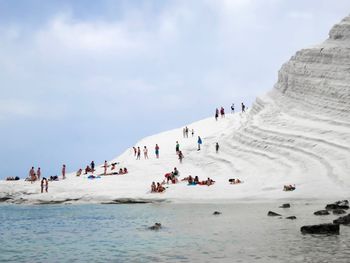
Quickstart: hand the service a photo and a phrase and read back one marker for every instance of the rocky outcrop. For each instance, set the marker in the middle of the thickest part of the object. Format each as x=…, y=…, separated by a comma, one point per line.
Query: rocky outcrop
x=338, y=212
x=285, y=206
x=270, y=213
x=332, y=229
x=344, y=220
x=321, y=213
x=291, y=217
x=156, y=226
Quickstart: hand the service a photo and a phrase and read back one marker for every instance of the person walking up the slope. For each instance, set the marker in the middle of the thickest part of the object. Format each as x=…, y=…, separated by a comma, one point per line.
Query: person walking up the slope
x=105, y=167
x=199, y=143
x=138, y=157
x=135, y=151
x=233, y=108
x=177, y=148
x=64, y=171
x=157, y=151
x=217, y=147
x=186, y=131
x=216, y=114
x=38, y=173
x=145, y=152
x=243, y=107
x=192, y=132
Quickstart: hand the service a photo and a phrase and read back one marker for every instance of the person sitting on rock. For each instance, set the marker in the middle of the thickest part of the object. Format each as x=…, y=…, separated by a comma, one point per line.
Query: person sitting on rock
x=190, y=180
x=125, y=171
x=120, y=171
x=87, y=169
x=209, y=182
x=153, y=187
x=196, y=180
x=160, y=188
x=79, y=172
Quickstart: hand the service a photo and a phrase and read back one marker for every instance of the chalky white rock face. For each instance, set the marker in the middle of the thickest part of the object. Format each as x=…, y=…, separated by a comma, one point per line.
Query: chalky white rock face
x=299, y=133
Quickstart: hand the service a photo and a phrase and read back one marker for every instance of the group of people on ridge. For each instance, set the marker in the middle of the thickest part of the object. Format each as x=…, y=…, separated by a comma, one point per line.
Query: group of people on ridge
x=137, y=152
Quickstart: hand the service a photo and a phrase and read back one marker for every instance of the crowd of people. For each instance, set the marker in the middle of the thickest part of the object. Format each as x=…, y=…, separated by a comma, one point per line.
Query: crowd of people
x=171, y=177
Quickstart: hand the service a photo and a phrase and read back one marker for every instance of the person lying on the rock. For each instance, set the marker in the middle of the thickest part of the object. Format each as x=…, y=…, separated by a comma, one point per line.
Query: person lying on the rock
x=234, y=181
x=53, y=178
x=289, y=188
x=11, y=178
x=153, y=187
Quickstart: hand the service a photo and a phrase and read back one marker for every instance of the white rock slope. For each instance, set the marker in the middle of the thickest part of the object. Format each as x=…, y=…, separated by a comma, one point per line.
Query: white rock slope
x=299, y=133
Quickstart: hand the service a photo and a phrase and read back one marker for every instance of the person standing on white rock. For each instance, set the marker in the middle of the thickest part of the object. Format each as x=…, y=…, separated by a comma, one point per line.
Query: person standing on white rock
x=199, y=143
x=32, y=175
x=157, y=151
x=233, y=108
x=177, y=148
x=243, y=107
x=38, y=173
x=64, y=171
x=105, y=167
x=217, y=147
x=145, y=152
x=138, y=153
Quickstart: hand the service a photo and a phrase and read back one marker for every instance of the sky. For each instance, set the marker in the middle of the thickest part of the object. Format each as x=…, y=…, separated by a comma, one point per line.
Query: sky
x=84, y=80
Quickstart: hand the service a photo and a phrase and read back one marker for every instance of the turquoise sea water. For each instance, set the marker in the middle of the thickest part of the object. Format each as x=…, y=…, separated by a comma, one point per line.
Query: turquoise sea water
x=191, y=233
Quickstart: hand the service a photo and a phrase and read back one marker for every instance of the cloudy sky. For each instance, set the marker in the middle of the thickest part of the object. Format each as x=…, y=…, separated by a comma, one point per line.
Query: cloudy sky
x=84, y=80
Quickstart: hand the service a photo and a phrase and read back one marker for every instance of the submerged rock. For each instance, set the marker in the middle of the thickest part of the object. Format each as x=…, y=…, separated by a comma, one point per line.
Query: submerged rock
x=156, y=226
x=344, y=220
x=217, y=213
x=291, y=217
x=285, y=206
x=332, y=229
x=270, y=213
x=321, y=213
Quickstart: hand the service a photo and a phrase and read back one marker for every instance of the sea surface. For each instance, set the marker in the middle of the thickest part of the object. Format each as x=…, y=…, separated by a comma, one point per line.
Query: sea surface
x=190, y=233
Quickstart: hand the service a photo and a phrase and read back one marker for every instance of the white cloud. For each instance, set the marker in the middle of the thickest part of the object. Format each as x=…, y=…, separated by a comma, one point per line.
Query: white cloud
x=66, y=34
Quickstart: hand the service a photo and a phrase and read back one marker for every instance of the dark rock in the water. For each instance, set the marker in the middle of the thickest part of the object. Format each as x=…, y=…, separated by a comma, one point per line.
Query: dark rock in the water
x=344, y=220
x=332, y=229
x=285, y=206
x=344, y=204
x=291, y=217
x=270, y=213
x=156, y=226
x=338, y=212
x=217, y=213
x=5, y=198
x=321, y=213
